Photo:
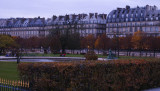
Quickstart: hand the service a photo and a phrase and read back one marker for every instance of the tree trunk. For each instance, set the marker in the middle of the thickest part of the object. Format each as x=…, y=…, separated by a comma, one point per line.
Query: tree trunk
x=154, y=53
x=118, y=52
x=146, y=53
x=73, y=51
x=129, y=52
x=140, y=52
x=98, y=51
x=63, y=50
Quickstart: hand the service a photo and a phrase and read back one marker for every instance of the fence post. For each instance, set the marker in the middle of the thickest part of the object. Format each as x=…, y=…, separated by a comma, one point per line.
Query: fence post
x=4, y=84
x=21, y=84
x=1, y=83
x=17, y=84
x=9, y=85
x=14, y=85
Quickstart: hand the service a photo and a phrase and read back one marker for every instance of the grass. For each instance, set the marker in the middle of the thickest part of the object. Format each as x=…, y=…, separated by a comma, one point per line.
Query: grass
x=52, y=55
x=79, y=55
x=58, y=55
x=8, y=70
x=132, y=58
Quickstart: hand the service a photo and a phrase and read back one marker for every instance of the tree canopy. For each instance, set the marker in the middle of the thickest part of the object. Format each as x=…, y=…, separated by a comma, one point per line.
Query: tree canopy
x=6, y=42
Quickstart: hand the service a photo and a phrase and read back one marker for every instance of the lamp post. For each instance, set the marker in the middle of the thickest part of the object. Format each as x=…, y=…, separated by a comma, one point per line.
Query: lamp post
x=18, y=56
x=88, y=48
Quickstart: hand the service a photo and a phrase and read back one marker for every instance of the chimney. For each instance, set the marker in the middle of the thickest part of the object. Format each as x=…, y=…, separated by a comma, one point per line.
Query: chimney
x=73, y=16
x=54, y=17
x=104, y=16
x=91, y=15
x=60, y=17
x=79, y=16
x=155, y=7
x=147, y=7
x=127, y=7
x=96, y=15
x=66, y=17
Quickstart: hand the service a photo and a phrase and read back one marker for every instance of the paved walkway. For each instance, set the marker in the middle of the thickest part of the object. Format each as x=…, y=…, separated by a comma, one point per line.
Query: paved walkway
x=154, y=89
x=54, y=58
x=38, y=57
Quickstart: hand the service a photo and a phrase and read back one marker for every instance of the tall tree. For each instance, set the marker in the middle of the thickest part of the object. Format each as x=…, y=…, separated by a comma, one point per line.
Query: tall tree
x=138, y=40
x=6, y=42
x=90, y=41
x=102, y=42
x=55, y=44
x=44, y=42
x=115, y=43
x=74, y=41
x=126, y=44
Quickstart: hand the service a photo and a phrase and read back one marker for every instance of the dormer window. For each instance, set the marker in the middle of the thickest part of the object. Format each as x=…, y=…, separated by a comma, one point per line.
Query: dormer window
x=131, y=15
x=126, y=15
x=113, y=16
x=122, y=15
x=126, y=19
x=109, y=16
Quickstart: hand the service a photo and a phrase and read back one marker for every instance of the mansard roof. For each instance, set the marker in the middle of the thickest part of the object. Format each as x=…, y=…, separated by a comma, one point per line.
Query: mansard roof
x=80, y=18
x=22, y=22
x=134, y=14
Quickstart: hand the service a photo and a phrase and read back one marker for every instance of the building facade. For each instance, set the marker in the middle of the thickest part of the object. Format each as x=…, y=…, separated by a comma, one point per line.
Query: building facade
x=84, y=24
x=123, y=21
x=23, y=27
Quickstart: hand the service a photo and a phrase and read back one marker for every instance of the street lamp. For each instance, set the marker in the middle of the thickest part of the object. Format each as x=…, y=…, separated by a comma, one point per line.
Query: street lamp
x=88, y=47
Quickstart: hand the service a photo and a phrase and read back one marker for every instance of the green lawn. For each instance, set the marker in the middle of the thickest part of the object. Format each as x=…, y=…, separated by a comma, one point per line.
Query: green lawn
x=78, y=55
x=8, y=70
x=58, y=55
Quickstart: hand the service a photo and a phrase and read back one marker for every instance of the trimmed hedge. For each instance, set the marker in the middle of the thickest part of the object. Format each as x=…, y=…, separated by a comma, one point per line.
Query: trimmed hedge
x=91, y=55
x=120, y=75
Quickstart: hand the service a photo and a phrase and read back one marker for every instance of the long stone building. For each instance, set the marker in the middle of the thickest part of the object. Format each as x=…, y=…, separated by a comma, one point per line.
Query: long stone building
x=84, y=24
x=23, y=27
x=123, y=21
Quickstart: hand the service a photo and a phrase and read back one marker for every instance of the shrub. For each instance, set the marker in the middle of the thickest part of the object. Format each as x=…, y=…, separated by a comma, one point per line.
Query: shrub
x=119, y=75
x=91, y=55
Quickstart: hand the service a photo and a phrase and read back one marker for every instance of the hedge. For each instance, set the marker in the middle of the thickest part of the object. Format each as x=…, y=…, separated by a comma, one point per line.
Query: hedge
x=119, y=75
x=91, y=55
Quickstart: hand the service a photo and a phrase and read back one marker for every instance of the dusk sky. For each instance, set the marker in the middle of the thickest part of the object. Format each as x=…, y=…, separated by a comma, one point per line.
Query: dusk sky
x=47, y=8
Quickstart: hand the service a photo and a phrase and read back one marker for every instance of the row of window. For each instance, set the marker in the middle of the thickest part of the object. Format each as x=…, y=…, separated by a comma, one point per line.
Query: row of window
x=132, y=24
x=23, y=28
x=127, y=15
x=133, y=29
x=134, y=19
x=21, y=33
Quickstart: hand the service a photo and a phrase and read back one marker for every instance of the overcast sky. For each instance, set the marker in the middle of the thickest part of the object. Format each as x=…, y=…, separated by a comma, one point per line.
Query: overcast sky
x=47, y=8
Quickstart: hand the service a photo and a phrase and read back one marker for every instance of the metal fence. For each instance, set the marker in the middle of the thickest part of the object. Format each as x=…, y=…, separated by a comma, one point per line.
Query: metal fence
x=9, y=85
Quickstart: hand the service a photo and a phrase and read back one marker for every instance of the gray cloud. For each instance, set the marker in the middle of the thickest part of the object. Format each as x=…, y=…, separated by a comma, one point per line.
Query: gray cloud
x=47, y=8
